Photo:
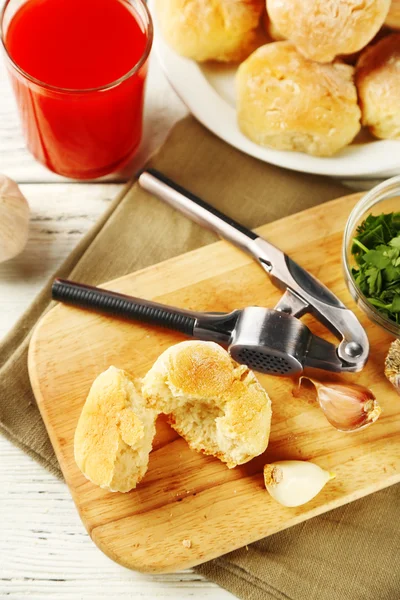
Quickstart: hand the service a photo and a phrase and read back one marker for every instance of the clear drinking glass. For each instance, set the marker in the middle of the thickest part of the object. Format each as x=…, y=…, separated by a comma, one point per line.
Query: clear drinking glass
x=81, y=133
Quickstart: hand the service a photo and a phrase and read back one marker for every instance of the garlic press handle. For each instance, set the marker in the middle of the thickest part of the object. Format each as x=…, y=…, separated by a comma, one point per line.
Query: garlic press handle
x=214, y=327
x=196, y=209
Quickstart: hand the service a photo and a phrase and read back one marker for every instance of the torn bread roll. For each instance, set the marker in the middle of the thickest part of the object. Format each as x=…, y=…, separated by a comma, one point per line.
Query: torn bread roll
x=216, y=405
x=288, y=102
x=324, y=29
x=115, y=432
x=220, y=30
x=378, y=84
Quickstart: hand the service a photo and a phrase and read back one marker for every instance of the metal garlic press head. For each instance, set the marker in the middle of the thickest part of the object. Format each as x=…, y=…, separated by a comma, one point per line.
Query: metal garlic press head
x=268, y=341
x=273, y=341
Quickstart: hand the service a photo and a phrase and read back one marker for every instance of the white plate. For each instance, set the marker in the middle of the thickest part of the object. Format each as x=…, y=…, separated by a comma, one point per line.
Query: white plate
x=209, y=93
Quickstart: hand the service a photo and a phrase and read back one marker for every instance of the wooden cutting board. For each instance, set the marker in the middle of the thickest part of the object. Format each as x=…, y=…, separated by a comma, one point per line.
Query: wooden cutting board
x=184, y=495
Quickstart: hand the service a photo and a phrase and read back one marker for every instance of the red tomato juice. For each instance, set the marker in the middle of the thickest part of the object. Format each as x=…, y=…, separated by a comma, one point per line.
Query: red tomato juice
x=69, y=49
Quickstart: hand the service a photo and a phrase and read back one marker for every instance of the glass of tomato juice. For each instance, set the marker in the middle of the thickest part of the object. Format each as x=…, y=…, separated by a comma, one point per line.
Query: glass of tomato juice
x=78, y=70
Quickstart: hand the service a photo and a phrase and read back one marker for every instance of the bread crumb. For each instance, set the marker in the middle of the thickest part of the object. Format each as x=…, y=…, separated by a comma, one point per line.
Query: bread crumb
x=187, y=543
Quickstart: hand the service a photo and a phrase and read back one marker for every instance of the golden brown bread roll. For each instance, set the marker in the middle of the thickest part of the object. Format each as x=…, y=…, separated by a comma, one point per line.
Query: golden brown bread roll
x=216, y=405
x=287, y=102
x=378, y=84
x=221, y=30
x=323, y=29
x=393, y=17
x=270, y=29
x=115, y=432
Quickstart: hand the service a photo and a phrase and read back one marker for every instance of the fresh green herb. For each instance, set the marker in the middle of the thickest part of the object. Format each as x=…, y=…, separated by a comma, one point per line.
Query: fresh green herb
x=376, y=249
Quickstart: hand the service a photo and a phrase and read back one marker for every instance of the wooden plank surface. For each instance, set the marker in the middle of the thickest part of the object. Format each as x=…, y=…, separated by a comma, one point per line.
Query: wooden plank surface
x=60, y=215
x=185, y=495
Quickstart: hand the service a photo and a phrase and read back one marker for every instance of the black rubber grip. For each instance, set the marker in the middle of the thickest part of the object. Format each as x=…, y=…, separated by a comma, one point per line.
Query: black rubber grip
x=119, y=305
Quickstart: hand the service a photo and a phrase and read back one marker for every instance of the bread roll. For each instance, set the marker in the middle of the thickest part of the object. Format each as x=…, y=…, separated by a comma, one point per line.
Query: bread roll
x=287, y=102
x=323, y=29
x=378, y=84
x=115, y=432
x=270, y=29
x=216, y=405
x=221, y=30
x=393, y=17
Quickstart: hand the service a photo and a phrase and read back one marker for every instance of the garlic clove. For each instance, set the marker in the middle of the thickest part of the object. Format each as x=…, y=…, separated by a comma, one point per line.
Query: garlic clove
x=295, y=482
x=392, y=365
x=14, y=219
x=347, y=407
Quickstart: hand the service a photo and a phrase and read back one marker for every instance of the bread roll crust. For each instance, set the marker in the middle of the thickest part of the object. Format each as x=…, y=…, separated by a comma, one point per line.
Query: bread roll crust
x=272, y=32
x=220, y=30
x=115, y=431
x=378, y=84
x=324, y=29
x=216, y=405
x=393, y=16
x=287, y=102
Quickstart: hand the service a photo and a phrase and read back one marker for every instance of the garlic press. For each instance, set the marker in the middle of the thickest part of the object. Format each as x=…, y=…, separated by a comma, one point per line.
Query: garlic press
x=302, y=292
x=273, y=341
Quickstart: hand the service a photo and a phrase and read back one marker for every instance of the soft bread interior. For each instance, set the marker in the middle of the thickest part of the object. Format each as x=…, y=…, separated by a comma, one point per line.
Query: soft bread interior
x=216, y=405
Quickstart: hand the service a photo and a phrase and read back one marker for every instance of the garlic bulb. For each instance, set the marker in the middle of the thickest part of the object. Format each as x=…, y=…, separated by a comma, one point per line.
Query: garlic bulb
x=392, y=365
x=347, y=407
x=294, y=482
x=14, y=219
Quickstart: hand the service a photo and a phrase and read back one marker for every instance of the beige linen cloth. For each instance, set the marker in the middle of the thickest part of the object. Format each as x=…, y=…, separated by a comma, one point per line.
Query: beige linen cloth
x=351, y=553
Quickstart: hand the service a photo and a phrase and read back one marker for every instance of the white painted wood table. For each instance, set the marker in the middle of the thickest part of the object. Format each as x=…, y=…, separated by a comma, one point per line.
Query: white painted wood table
x=45, y=551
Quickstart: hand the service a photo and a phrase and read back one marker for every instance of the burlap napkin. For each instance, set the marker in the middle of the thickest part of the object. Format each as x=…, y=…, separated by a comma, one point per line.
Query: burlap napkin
x=351, y=553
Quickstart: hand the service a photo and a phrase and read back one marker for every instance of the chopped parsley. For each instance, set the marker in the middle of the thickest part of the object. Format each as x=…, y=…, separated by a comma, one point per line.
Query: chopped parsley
x=376, y=249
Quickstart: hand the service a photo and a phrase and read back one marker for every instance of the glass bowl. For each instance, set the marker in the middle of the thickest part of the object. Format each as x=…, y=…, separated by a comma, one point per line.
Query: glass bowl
x=384, y=198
